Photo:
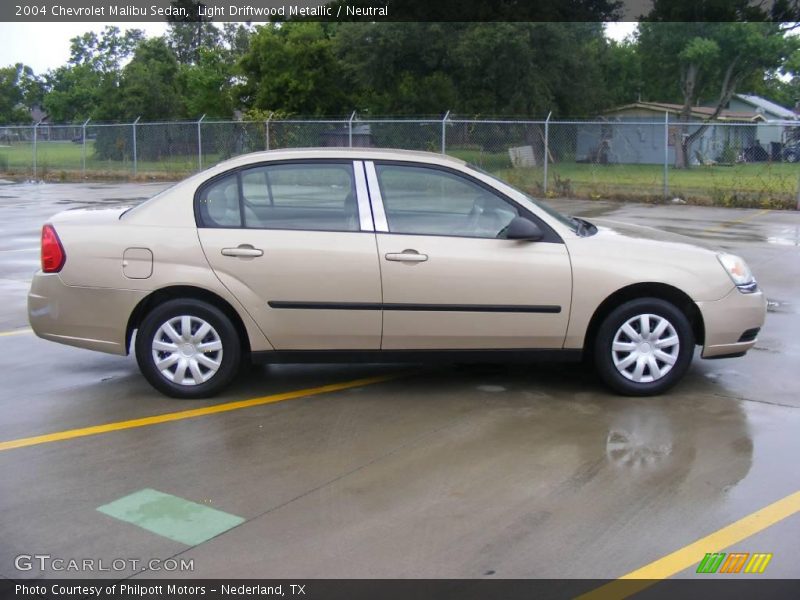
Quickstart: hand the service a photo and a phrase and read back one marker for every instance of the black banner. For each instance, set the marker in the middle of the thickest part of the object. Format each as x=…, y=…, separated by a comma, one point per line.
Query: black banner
x=402, y=589
x=389, y=10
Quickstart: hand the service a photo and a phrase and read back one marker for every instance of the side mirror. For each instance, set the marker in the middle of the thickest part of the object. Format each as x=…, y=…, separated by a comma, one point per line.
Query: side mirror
x=524, y=230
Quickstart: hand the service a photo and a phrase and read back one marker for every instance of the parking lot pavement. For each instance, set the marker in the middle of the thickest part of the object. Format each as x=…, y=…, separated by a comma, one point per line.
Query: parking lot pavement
x=447, y=471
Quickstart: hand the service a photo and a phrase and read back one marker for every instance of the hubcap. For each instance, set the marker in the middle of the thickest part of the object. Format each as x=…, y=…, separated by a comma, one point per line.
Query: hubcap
x=645, y=348
x=187, y=350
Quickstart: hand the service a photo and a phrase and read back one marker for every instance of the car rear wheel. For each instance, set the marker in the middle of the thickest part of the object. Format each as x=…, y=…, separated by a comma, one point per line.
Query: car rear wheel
x=188, y=349
x=644, y=347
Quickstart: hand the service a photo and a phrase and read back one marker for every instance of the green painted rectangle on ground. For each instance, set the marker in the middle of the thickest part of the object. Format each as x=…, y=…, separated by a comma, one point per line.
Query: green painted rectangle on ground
x=171, y=517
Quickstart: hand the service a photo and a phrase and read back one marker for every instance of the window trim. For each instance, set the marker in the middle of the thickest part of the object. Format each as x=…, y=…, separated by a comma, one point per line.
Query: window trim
x=237, y=171
x=382, y=225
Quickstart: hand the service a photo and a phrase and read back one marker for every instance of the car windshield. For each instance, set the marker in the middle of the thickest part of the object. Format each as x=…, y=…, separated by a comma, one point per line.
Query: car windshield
x=574, y=224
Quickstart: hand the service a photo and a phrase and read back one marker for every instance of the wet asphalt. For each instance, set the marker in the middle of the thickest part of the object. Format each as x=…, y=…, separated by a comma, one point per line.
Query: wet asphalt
x=446, y=471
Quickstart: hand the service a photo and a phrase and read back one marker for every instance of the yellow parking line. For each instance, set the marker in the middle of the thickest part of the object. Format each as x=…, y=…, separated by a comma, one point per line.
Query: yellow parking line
x=16, y=332
x=691, y=555
x=725, y=224
x=190, y=414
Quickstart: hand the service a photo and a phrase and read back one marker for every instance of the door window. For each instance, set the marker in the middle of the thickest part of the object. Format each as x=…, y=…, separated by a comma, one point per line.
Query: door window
x=313, y=197
x=300, y=196
x=420, y=200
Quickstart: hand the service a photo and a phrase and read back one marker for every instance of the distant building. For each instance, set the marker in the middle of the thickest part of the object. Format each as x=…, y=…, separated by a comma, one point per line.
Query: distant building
x=634, y=134
x=774, y=130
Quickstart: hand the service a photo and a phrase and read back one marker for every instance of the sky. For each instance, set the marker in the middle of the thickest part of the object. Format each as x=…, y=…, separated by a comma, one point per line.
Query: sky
x=45, y=46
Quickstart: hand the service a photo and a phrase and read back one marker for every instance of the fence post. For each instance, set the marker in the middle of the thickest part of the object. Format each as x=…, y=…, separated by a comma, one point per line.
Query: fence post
x=546, y=147
x=444, y=123
x=350, y=129
x=83, y=149
x=35, y=129
x=266, y=127
x=135, y=166
x=666, y=155
x=798, y=192
x=200, y=145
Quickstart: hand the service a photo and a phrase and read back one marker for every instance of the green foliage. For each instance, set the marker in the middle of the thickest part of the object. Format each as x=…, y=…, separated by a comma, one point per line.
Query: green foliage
x=208, y=85
x=149, y=88
x=19, y=89
x=77, y=90
x=293, y=67
x=189, y=36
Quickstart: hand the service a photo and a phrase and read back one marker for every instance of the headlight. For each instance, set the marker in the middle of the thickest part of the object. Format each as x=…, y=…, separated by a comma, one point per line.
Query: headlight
x=739, y=272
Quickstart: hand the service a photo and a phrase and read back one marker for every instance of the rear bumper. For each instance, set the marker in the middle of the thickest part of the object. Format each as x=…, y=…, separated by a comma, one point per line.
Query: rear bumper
x=91, y=318
x=726, y=321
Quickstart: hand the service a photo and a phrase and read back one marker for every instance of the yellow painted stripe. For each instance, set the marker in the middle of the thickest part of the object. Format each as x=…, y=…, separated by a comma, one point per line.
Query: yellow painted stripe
x=691, y=555
x=735, y=221
x=190, y=414
x=16, y=332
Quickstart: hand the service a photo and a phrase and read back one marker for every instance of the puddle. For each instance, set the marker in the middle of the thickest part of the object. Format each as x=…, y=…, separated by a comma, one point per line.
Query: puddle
x=790, y=236
x=717, y=235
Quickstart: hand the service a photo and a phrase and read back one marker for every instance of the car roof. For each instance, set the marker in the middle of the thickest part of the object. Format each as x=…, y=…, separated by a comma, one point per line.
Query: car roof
x=346, y=153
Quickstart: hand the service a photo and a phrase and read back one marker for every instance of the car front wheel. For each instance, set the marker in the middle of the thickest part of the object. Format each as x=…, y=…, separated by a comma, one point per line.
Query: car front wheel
x=644, y=347
x=188, y=349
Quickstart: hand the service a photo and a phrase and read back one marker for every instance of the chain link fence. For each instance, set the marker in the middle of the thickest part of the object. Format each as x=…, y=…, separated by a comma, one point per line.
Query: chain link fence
x=736, y=164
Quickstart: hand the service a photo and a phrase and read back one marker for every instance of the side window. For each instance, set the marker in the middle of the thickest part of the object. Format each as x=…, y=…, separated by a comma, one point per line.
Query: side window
x=420, y=200
x=219, y=203
x=300, y=196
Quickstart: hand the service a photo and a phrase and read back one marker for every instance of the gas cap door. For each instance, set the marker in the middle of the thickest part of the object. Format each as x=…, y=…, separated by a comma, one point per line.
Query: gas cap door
x=137, y=263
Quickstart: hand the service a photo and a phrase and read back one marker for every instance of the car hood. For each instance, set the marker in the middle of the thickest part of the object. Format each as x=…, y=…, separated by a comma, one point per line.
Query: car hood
x=608, y=228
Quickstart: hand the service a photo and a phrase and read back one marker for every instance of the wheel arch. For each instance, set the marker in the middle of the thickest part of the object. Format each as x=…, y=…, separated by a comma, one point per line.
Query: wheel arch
x=175, y=292
x=661, y=291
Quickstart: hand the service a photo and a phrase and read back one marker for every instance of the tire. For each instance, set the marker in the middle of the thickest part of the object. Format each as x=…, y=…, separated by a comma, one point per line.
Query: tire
x=643, y=365
x=188, y=371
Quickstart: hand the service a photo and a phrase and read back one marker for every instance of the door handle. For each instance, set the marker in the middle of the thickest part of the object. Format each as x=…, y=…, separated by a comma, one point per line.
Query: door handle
x=244, y=250
x=407, y=256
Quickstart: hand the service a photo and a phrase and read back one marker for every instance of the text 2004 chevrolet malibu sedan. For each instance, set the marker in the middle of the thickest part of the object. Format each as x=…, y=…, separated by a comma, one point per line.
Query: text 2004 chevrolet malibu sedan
x=378, y=255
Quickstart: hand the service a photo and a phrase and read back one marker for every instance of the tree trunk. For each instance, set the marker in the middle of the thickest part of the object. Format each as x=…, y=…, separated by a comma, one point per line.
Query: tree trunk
x=684, y=148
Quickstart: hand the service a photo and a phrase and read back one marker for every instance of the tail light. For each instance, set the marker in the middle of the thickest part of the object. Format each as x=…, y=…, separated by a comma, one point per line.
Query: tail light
x=53, y=255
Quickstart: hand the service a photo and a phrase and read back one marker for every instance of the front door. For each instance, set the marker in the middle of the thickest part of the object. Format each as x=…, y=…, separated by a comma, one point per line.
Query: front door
x=449, y=281
x=294, y=246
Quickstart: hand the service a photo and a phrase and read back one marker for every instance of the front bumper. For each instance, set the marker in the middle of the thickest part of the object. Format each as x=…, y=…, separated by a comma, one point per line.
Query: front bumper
x=91, y=318
x=727, y=319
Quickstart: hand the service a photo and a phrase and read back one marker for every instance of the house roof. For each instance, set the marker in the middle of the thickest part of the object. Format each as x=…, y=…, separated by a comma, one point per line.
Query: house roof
x=767, y=106
x=698, y=112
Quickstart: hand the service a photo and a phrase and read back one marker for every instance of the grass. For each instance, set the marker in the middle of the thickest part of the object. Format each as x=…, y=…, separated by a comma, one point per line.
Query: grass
x=764, y=185
x=64, y=160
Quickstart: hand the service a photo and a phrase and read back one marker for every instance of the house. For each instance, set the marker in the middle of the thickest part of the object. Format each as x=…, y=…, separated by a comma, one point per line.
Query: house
x=779, y=121
x=634, y=134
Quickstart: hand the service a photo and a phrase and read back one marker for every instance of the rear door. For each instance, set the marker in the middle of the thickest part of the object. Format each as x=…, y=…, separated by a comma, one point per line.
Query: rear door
x=449, y=279
x=294, y=242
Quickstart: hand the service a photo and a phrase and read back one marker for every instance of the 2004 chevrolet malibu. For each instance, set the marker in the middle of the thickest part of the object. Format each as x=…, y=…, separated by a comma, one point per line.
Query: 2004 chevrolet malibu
x=323, y=255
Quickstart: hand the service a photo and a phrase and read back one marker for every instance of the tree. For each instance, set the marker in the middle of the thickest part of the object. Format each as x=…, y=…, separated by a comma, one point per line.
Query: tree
x=149, y=87
x=699, y=58
x=19, y=90
x=399, y=68
x=208, y=85
x=189, y=35
x=475, y=68
x=77, y=89
x=621, y=66
x=293, y=67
